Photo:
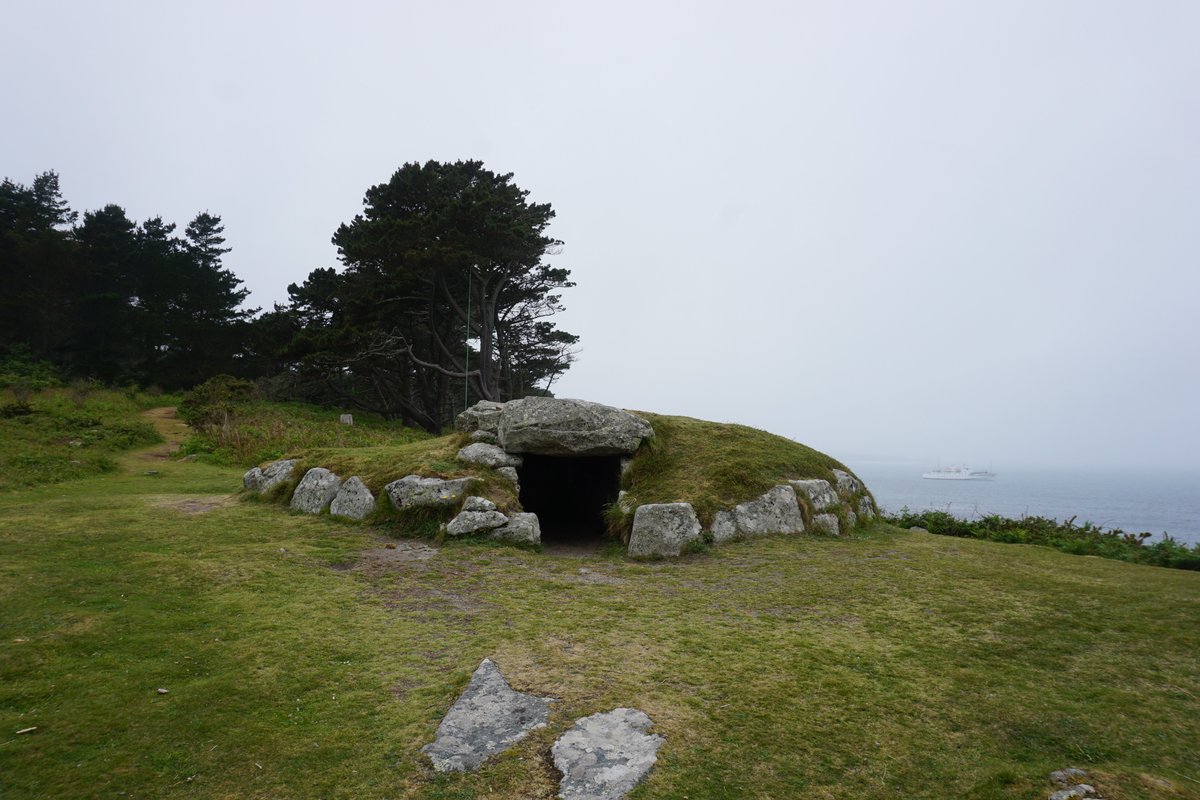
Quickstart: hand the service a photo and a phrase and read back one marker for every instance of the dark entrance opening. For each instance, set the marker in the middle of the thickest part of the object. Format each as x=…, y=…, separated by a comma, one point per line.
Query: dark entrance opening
x=569, y=495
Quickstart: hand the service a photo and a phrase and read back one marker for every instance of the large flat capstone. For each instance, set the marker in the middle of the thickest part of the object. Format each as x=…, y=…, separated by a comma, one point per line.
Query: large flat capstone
x=483, y=416
x=605, y=755
x=555, y=427
x=487, y=718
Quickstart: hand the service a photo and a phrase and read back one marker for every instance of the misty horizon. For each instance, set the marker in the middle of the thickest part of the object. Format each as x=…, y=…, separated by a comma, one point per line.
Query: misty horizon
x=923, y=232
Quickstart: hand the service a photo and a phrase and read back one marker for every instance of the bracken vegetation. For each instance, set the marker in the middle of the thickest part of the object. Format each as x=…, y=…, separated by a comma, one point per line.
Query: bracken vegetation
x=1084, y=539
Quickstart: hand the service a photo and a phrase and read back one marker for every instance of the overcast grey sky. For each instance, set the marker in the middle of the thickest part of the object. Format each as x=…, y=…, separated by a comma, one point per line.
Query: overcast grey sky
x=965, y=230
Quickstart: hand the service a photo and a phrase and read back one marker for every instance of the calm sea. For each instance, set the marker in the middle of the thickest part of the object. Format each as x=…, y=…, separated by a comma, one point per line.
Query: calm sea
x=1132, y=501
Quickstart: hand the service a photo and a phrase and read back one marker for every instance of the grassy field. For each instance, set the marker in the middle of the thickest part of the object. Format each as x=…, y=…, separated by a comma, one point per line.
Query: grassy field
x=306, y=658
x=61, y=434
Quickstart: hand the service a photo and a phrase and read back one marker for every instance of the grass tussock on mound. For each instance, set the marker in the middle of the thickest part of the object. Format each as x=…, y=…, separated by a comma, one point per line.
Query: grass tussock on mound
x=715, y=465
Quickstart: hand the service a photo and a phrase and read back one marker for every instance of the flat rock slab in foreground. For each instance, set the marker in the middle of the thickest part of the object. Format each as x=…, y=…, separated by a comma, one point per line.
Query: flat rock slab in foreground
x=605, y=755
x=487, y=718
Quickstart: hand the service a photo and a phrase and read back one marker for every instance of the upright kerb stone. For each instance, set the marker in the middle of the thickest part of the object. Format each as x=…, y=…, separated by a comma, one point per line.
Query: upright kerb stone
x=663, y=529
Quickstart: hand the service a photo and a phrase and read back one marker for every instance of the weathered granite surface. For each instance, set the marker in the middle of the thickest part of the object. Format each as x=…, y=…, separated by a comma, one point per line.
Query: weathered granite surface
x=476, y=503
x=316, y=490
x=557, y=427
x=483, y=416
x=354, y=500
x=252, y=480
x=524, y=528
x=775, y=512
x=820, y=494
x=511, y=474
x=663, y=529
x=866, y=509
x=826, y=523
x=275, y=473
x=487, y=718
x=489, y=455
x=415, y=491
x=724, y=527
x=604, y=756
x=470, y=522
x=847, y=483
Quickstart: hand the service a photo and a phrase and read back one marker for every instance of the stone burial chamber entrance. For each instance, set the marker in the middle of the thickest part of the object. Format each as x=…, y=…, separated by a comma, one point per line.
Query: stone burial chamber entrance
x=565, y=456
x=569, y=494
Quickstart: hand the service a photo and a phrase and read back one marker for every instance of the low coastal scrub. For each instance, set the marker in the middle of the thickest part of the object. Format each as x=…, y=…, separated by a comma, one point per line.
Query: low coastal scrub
x=1085, y=539
x=58, y=434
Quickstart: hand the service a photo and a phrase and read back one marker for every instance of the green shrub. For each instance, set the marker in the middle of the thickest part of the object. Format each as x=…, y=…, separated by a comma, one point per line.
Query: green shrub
x=214, y=402
x=1086, y=539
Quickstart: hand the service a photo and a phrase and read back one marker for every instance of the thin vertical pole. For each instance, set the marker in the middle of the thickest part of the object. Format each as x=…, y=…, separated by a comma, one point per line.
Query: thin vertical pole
x=467, y=355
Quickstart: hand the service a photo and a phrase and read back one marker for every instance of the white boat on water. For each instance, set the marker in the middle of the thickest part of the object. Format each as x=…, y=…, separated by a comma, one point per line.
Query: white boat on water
x=959, y=472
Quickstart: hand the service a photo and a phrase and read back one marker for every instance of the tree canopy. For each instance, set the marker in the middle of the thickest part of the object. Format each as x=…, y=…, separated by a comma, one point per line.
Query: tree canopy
x=444, y=283
x=112, y=299
x=445, y=297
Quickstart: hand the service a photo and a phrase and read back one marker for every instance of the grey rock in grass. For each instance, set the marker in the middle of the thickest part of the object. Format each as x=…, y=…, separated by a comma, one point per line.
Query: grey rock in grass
x=1068, y=777
x=623, y=501
x=488, y=455
x=663, y=529
x=819, y=493
x=556, y=427
x=523, y=528
x=851, y=521
x=354, y=500
x=252, y=480
x=724, y=527
x=487, y=718
x=511, y=474
x=866, y=509
x=626, y=463
x=487, y=437
x=826, y=523
x=275, y=473
x=483, y=416
x=847, y=483
x=1073, y=792
x=775, y=512
x=316, y=490
x=474, y=503
x=413, y=491
x=471, y=522
x=604, y=756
